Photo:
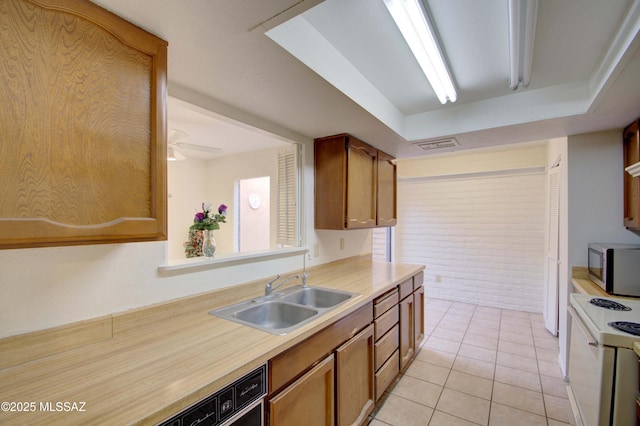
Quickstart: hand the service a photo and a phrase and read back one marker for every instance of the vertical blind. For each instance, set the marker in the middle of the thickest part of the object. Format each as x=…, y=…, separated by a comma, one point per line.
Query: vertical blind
x=287, y=231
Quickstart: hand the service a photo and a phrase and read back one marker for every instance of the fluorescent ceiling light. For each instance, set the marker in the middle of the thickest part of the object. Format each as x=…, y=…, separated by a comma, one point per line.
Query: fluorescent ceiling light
x=416, y=29
x=522, y=29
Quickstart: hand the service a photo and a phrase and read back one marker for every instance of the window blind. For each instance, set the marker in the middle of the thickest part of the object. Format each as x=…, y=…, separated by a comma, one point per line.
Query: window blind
x=287, y=232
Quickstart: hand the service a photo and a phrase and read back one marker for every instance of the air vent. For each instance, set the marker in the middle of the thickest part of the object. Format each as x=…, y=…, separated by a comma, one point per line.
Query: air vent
x=437, y=144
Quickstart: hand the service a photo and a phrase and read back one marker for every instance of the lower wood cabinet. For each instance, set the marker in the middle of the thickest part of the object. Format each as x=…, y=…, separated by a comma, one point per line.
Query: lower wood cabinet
x=411, y=318
x=347, y=346
x=354, y=379
x=386, y=335
x=386, y=374
x=337, y=376
x=309, y=400
x=418, y=316
x=407, y=315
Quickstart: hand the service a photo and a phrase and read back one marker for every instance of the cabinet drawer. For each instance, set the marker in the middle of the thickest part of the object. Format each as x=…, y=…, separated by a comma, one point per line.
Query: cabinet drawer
x=292, y=363
x=405, y=288
x=387, y=345
x=385, y=302
x=418, y=280
x=387, y=373
x=385, y=322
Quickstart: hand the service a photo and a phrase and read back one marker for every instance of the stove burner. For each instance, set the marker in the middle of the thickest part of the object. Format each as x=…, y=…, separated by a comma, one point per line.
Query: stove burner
x=609, y=304
x=627, y=327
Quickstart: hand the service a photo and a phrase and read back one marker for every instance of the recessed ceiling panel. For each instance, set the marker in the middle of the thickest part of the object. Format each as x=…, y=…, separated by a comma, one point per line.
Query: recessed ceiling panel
x=364, y=33
x=474, y=36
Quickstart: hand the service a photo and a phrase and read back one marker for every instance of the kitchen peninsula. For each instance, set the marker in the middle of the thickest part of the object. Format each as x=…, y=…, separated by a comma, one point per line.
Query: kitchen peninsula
x=159, y=360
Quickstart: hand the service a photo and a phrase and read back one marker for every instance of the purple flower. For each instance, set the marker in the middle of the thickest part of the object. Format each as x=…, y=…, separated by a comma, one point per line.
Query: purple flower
x=222, y=209
x=199, y=217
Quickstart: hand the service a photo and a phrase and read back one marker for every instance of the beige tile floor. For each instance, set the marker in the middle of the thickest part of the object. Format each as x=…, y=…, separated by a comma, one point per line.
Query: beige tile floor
x=479, y=366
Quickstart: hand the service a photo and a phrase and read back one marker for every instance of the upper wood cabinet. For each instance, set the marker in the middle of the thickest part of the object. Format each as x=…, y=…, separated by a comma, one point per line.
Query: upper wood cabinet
x=83, y=134
x=355, y=184
x=631, y=184
x=386, y=191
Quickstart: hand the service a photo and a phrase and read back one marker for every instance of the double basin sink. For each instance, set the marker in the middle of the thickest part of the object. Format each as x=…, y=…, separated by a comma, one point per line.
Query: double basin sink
x=284, y=311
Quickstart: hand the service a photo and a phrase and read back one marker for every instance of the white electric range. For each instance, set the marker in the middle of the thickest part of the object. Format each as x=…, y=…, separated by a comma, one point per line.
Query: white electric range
x=603, y=368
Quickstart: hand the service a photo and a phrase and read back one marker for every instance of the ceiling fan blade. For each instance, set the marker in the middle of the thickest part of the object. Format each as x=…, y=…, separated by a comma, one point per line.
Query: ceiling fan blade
x=174, y=154
x=199, y=148
x=175, y=135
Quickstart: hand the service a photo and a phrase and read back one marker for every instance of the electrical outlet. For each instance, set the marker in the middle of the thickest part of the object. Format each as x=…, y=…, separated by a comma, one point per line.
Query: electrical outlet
x=341, y=243
x=316, y=250
x=438, y=278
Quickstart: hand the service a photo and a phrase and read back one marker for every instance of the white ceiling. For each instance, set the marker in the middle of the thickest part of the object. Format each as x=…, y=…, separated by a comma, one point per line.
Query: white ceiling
x=585, y=77
x=193, y=125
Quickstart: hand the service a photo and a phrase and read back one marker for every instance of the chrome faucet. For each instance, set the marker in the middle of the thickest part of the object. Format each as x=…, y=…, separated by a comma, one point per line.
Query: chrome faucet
x=269, y=288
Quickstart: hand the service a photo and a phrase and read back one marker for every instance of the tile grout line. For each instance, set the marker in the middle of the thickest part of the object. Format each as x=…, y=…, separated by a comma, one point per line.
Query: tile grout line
x=438, y=321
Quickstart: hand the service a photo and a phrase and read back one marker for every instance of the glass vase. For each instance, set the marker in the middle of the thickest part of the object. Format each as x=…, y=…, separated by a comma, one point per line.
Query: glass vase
x=208, y=244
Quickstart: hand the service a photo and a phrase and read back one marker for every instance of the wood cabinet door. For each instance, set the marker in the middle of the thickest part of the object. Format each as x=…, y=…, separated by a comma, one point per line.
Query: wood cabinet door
x=407, y=335
x=386, y=190
x=308, y=401
x=83, y=127
x=330, y=180
x=418, y=316
x=355, y=379
x=361, y=185
x=631, y=184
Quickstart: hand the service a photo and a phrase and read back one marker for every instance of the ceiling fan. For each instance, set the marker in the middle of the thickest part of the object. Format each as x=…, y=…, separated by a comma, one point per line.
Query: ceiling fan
x=179, y=149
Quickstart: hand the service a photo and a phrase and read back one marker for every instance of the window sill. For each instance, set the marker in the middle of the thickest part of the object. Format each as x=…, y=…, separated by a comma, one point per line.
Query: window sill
x=198, y=264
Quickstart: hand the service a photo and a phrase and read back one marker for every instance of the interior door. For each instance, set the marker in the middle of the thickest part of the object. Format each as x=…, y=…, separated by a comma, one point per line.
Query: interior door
x=552, y=256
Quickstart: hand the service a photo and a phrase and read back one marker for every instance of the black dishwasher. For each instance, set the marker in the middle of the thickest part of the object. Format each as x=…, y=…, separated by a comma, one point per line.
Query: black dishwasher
x=238, y=404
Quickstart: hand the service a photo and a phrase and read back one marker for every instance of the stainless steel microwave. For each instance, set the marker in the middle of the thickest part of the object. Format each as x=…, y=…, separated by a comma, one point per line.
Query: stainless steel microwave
x=615, y=268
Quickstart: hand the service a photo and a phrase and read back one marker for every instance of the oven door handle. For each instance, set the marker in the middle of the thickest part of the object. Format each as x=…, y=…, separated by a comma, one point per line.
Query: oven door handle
x=591, y=341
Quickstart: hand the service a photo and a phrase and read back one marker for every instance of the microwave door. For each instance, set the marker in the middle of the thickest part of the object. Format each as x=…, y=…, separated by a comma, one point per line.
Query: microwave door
x=596, y=264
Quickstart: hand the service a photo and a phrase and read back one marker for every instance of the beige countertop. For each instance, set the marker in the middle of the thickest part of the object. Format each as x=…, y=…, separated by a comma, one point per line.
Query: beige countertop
x=159, y=360
x=588, y=287
x=582, y=284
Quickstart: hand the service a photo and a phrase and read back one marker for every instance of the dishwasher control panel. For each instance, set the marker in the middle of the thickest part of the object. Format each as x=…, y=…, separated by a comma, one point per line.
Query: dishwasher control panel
x=222, y=405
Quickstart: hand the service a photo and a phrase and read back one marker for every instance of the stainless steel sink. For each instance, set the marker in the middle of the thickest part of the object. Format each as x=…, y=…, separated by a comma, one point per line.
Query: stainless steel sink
x=275, y=315
x=317, y=297
x=284, y=311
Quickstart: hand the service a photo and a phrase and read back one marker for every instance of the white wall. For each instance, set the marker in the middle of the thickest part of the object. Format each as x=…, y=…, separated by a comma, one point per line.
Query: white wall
x=596, y=193
x=192, y=182
x=477, y=224
x=46, y=287
x=593, y=208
